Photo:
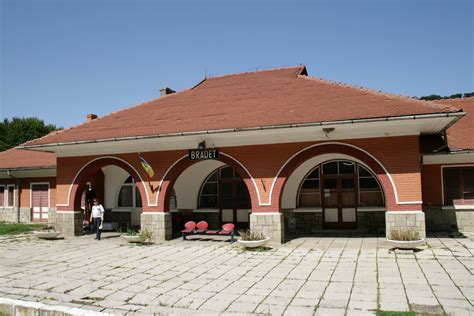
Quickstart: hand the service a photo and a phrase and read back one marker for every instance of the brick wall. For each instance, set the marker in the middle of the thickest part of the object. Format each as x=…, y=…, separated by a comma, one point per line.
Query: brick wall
x=399, y=155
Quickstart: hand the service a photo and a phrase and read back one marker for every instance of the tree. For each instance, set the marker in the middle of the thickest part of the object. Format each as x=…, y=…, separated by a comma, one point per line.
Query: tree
x=20, y=130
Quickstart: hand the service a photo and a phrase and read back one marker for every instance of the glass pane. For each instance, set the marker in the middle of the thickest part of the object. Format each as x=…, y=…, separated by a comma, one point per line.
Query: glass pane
x=208, y=201
x=368, y=184
x=310, y=200
x=226, y=196
x=347, y=183
x=364, y=172
x=371, y=199
x=330, y=168
x=213, y=177
x=311, y=184
x=173, y=202
x=468, y=179
x=330, y=199
x=330, y=183
x=314, y=174
x=209, y=188
x=243, y=196
x=452, y=185
x=227, y=173
x=125, y=196
x=346, y=167
x=138, y=198
x=11, y=192
x=348, y=199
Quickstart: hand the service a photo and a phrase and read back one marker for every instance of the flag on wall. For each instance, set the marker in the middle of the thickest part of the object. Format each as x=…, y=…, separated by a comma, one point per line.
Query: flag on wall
x=146, y=166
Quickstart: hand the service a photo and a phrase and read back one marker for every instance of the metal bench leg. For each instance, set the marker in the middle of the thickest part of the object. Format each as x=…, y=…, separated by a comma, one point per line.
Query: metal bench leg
x=184, y=236
x=232, y=237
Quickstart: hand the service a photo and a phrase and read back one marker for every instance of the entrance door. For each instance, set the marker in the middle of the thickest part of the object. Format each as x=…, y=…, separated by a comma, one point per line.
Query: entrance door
x=40, y=202
x=234, y=202
x=339, y=200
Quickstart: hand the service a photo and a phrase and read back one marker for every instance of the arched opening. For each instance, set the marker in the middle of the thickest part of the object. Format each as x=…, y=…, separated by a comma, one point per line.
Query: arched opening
x=339, y=188
x=211, y=191
x=225, y=190
x=119, y=188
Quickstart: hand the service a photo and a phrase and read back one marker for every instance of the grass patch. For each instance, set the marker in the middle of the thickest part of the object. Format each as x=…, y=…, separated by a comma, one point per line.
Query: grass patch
x=11, y=229
x=385, y=313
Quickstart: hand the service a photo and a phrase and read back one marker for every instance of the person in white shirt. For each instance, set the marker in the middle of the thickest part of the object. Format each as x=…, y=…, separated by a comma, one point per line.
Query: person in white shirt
x=97, y=217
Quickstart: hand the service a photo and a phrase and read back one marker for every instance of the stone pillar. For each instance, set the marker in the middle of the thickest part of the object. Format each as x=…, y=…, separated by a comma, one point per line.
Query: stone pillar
x=405, y=220
x=159, y=223
x=69, y=223
x=269, y=224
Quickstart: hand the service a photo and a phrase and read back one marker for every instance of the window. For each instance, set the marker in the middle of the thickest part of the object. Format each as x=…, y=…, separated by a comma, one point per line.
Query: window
x=10, y=196
x=458, y=184
x=224, y=183
x=173, y=200
x=341, y=176
x=2, y=196
x=309, y=191
x=370, y=193
x=129, y=195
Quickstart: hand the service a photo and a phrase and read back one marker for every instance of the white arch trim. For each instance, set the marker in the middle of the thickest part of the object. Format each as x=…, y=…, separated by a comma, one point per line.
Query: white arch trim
x=220, y=153
x=106, y=157
x=347, y=145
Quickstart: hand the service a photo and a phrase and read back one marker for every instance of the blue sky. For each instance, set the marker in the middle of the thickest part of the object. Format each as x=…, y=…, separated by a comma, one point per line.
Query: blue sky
x=62, y=59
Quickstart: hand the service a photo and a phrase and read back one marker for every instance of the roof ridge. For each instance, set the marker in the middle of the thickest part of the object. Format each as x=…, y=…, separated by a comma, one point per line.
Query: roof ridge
x=299, y=67
x=378, y=92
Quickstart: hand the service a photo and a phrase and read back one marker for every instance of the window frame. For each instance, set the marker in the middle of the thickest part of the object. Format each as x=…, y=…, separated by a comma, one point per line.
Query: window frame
x=8, y=195
x=4, y=195
x=134, y=186
x=356, y=174
x=443, y=186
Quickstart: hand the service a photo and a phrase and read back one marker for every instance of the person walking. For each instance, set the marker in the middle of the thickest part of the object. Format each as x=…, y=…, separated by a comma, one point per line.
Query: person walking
x=97, y=217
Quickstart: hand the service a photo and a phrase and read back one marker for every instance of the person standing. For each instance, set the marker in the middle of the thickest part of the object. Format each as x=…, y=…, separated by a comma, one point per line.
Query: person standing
x=97, y=217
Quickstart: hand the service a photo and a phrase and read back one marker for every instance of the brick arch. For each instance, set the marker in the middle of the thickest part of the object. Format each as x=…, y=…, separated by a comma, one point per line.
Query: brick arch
x=90, y=168
x=167, y=183
x=334, y=148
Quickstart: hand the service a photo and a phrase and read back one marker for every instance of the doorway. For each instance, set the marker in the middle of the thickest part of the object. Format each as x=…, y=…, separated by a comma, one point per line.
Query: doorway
x=340, y=197
x=226, y=191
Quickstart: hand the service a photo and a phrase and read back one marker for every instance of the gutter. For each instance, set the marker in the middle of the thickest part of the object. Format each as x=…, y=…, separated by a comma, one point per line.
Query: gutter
x=456, y=115
x=18, y=188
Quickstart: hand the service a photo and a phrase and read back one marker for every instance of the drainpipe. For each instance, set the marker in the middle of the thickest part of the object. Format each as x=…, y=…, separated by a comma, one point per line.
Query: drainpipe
x=18, y=183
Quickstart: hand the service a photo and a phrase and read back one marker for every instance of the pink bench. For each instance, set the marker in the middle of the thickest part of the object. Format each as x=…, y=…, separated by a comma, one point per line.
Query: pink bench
x=191, y=228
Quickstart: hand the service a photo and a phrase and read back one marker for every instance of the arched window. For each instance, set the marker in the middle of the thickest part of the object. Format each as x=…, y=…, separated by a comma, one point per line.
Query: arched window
x=340, y=174
x=129, y=195
x=224, y=185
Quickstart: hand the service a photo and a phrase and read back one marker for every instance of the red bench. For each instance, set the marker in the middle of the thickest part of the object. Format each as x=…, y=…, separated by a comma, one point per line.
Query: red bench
x=191, y=228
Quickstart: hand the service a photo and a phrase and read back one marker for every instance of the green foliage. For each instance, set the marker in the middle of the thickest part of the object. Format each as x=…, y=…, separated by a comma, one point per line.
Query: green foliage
x=131, y=232
x=11, y=229
x=433, y=97
x=19, y=130
x=145, y=235
x=404, y=235
x=251, y=235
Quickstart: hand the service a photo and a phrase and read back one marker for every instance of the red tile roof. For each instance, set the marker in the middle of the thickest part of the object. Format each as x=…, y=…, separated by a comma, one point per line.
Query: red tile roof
x=461, y=134
x=252, y=99
x=19, y=158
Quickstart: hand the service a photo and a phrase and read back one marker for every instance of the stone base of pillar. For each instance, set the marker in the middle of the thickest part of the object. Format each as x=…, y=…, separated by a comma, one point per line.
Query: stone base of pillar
x=405, y=221
x=69, y=224
x=270, y=225
x=159, y=224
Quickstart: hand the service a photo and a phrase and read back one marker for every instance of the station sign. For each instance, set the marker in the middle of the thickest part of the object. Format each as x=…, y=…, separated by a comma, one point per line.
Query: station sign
x=203, y=154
